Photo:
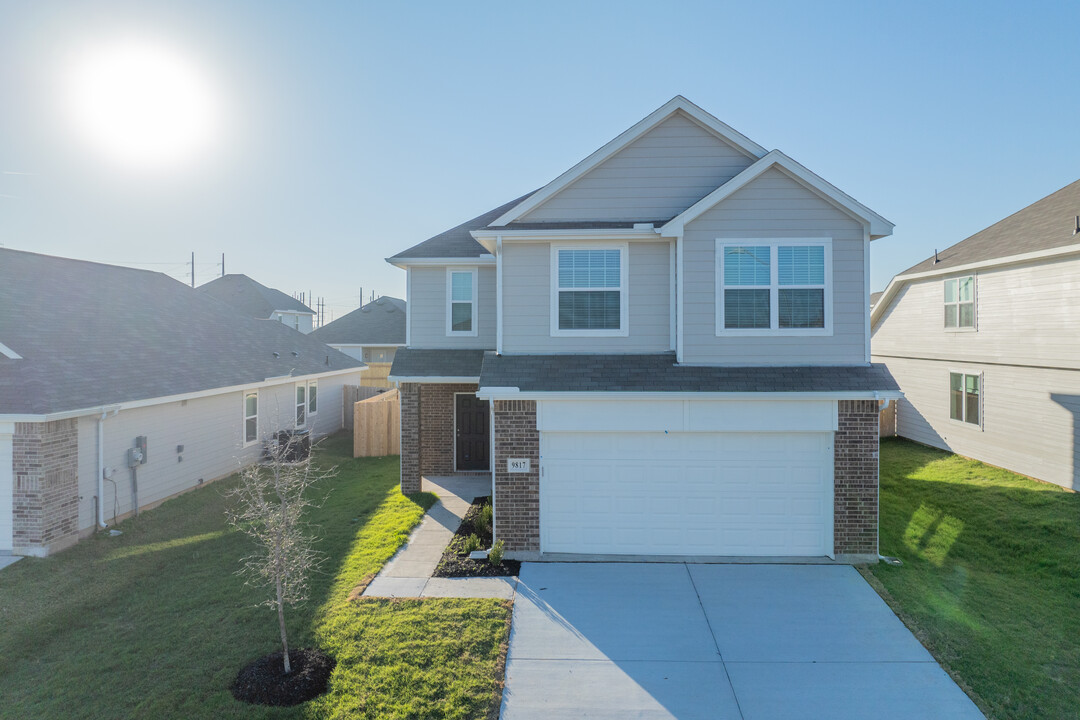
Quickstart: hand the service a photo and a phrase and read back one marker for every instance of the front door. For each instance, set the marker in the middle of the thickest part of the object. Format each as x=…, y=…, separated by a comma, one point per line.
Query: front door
x=471, y=426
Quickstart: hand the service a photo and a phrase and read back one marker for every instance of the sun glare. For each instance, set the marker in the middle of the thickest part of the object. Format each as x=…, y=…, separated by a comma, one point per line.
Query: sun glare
x=142, y=105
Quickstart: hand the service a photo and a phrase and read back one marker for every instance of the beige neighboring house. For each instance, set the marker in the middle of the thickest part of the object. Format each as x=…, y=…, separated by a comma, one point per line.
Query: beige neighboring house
x=120, y=388
x=984, y=340
x=372, y=334
x=258, y=301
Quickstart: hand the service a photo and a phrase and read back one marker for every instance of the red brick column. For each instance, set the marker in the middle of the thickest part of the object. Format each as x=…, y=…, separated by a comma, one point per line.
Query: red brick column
x=517, y=495
x=855, y=523
x=410, y=437
x=46, y=493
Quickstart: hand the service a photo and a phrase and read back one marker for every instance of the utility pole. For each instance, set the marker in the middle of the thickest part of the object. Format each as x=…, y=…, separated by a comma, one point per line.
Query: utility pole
x=222, y=264
x=192, y=268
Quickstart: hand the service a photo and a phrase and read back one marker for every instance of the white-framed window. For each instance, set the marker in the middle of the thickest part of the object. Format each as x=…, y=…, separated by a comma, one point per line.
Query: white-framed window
x=307, y=401
x=960, y=303
x=313, y=398
x=461, y=292
x=251, y=417
x=965, y=397
x=774, y=286
x=589, y=295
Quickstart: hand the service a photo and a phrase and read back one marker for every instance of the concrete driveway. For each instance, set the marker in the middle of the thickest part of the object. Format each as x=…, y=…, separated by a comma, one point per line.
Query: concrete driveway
x=629, y=640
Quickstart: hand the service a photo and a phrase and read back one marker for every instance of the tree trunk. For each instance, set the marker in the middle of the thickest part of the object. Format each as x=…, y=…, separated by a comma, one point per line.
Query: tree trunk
x=281, y=623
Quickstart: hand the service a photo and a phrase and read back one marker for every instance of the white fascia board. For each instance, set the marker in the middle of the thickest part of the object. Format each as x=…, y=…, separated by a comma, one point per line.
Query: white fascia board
x=676, y=104
x=132, y=404
x=899, y=280
x=437, y=379
x=296, y=312
x=405, y=263
x=363, y=345
x=513, y=393
x=490, y=238
x=878, y=226
x=9, y=353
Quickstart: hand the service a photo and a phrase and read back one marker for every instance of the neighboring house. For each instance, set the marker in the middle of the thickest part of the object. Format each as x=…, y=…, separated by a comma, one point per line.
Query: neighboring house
x=663, y=352
x=258, y=301
x=98, y=360
x=371, y=333
x=984, y=340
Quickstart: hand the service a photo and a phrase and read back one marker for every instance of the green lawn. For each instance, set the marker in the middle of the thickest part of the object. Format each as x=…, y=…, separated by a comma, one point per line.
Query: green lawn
x=155, y=623
x=991, y=576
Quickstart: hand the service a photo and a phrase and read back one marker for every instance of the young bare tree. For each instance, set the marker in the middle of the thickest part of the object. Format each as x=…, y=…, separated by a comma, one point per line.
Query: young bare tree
x=268, y=506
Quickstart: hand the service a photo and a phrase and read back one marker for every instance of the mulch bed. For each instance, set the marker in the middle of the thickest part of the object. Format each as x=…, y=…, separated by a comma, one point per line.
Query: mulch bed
x=456, y=562
x=264, y=681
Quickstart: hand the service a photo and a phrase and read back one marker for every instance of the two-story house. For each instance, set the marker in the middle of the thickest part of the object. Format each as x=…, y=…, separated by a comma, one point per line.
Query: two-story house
x=662, y=352
x=258, y=301
x=985, y=343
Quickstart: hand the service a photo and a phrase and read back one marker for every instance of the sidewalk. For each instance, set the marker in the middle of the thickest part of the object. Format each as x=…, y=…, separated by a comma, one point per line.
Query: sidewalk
x=408, y=574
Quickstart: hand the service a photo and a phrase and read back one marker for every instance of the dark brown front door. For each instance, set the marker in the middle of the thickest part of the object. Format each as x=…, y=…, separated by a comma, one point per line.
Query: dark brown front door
x=471, y=444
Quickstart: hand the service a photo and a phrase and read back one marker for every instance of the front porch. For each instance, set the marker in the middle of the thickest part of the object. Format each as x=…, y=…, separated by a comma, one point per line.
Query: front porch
x=445, y=432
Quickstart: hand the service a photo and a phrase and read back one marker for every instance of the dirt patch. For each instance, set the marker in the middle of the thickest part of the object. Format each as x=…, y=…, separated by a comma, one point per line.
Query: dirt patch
x=456, y=562
x=264, y=681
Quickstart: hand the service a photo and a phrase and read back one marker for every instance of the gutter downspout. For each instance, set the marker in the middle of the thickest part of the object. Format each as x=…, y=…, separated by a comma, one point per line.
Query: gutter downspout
x=101, y=465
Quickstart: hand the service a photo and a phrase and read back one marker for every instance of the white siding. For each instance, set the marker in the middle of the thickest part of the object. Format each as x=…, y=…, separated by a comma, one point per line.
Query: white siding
x=210, y=429
x=427, y=310
x=774, y=206
x=658, y=176
x=1030, y=416
x=527, y=303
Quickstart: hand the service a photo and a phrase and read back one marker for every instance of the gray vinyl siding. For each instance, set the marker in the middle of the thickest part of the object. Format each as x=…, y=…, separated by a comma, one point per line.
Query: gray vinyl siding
x=774, y=206
x=427, y=310
x=527, y=303
x=658, y=176
x=1030, y=416
x=1025, y=315
x=211, y=431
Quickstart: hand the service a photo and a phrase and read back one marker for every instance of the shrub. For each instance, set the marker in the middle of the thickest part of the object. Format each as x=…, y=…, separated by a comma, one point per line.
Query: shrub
x=487, y=516
x=495, y=555
x=472, y=543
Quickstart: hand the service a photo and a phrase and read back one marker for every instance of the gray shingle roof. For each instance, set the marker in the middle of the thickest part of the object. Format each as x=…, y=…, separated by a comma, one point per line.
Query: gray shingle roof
x=1043, y=225
x=92, y=334
x=874, y=297
x=410, y=362
x=457, y=242
x=659, y=373
x=251, y=298
x=380, y=322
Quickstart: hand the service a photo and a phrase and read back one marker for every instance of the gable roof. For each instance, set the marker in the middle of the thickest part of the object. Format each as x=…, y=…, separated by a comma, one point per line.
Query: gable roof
x=456, y=242
x=250, y=297
x=874, y=297
x=91, y=335
x=677, y=104
x=879, y=226
x=1044, y=225
x=380, y=322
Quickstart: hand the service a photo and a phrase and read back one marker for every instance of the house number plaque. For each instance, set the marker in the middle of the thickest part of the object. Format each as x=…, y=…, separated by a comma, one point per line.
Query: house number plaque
x=518, y=465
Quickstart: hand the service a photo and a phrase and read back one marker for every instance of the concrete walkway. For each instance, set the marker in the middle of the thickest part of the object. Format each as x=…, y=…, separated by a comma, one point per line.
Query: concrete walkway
x=408, y=574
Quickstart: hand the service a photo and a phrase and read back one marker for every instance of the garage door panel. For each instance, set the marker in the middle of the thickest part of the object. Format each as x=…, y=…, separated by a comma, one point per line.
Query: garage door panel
x=686, y=493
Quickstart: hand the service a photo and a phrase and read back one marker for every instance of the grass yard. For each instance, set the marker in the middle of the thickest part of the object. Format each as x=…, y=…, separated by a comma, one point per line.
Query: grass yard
x=991, y=576
x=156, y=623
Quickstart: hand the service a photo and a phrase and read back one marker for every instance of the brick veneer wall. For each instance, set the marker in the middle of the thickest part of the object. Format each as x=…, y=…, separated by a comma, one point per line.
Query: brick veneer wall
x=517, y=495
x=427, y=431
x=46, y=493
x=855, y=449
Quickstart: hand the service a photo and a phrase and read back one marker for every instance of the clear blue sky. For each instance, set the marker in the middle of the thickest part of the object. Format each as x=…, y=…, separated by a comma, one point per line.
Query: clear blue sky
x=353, y=130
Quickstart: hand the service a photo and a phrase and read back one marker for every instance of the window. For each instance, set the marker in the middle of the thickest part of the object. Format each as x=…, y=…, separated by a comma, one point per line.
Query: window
x=960, y=303
x=461, y=302
x=251, y=417
x=774, y=286
x=313, y=397
x=965, y=396
x=301, y=405
x=589, y=291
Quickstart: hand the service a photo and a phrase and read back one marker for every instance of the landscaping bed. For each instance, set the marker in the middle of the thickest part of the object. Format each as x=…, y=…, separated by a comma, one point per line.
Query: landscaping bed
x=456, y=562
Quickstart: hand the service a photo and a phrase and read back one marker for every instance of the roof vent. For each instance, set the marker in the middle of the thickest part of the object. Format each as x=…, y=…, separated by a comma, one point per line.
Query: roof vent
x=1077, y=230
x=277, y=354
x=936, y=258
x=295, y=354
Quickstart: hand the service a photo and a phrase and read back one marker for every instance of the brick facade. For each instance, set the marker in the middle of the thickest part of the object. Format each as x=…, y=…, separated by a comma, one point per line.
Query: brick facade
x=45, y=460
x=517, y=495
x=427, y=431
x=855, y=458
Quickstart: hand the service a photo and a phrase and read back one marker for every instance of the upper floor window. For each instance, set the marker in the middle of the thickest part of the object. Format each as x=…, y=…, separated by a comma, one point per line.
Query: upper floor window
x=965, y=397
x=589, y=291
x=251, y=417
x=960, y=303
x=461, y=302
x=780, y=287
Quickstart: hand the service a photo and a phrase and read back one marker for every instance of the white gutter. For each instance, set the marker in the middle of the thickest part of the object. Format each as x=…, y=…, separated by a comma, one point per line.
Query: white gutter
x=405, y=263
x=513, y=393
x=105, y=411
x=432, y=379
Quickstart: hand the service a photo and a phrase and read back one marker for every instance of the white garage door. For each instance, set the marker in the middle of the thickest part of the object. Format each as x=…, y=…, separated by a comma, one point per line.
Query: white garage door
x=733, y=494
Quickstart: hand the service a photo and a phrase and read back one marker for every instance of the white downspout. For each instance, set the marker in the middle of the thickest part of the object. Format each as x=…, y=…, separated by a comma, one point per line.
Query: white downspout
x=101, y=466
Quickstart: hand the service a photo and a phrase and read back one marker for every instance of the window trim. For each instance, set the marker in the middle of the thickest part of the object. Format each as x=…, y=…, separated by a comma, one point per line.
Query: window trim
x=774, y=329
x=964, y=374
x=974, y=304
x=299, y=404
x=450, y=332
x=312, y=384
x=245, y=417
x=624, y=290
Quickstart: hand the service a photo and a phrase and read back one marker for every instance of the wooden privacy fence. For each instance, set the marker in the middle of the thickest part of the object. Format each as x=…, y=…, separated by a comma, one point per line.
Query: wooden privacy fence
x=353, y=395
x=375, y=426
x=887, y=421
